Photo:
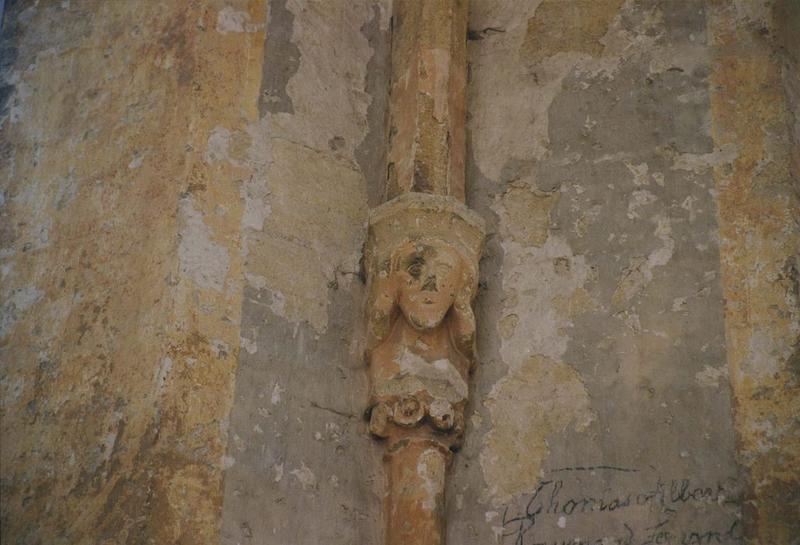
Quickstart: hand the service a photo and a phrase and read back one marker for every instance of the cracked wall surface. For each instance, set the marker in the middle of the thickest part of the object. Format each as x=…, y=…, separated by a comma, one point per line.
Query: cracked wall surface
x=754, y=92
x=300, y=465
x=121, y=264
x=603, y=397
x=185, y=189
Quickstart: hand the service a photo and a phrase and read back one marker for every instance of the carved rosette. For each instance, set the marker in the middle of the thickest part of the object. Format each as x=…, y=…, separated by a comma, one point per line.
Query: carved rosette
x=422, y=263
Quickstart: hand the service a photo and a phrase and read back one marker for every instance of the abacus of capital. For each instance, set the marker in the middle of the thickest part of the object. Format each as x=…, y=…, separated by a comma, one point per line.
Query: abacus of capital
x=421, y=259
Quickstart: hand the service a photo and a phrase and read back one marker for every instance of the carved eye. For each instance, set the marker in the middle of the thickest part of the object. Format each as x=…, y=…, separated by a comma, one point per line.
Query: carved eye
x=415, y=267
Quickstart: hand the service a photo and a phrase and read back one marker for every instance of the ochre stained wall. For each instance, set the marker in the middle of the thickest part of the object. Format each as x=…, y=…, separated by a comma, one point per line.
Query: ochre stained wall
x=121, y=264
x=185, y=186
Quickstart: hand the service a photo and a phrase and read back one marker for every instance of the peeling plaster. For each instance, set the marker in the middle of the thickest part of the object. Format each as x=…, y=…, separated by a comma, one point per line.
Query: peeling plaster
x=202, y=260
x=639, y=272
x=535, y=400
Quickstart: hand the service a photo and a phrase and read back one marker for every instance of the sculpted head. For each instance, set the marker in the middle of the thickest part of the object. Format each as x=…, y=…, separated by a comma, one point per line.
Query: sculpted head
x=421, y=259
x=431, y=277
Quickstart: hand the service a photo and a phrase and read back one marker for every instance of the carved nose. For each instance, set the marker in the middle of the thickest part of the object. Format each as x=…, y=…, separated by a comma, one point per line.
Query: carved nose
x=430, y=284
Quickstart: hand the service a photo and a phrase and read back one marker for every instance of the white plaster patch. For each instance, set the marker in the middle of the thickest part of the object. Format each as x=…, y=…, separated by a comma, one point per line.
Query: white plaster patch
x=688, y=205
x=16, y=110
x=639, y=272
x=201, y=259
x=254, y=192
x=278, y=304
x=228, y=461
x=710, y=377
x=440, y=378
x=12, y=390
x=217, y=147
x=679, y=304
x=305, y=476
x=765, y=356
x=162, y=372
x=16, y=303
x=531, y=282
x=277, y=390
x=640, y=173
x=249, y=345
x=136, y=162
x=699, y=163
x=638, y=199
x=431, y=470
x=231, y=20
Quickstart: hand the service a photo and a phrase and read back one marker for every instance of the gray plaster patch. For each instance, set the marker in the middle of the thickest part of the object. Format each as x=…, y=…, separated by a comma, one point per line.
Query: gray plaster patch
x=371, y=152
x=201, y=259
x=303, y=468
x=16, y=303
x=281, y=60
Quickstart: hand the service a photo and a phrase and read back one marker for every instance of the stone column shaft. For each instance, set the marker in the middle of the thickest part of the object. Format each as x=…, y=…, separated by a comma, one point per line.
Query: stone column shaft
x=427, y=107
x=421, y=260
x=415, y=502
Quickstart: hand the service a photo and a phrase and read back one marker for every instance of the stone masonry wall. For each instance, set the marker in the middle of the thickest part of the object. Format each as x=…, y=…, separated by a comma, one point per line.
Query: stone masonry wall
x=185, y=187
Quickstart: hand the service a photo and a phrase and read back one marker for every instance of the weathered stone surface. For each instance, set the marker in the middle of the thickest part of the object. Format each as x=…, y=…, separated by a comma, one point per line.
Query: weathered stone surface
x=759, y=211
x=601, y=408
x=301, y=466
x=121, y=267
x=427, y=108
x=185, y=196
x=421, y=262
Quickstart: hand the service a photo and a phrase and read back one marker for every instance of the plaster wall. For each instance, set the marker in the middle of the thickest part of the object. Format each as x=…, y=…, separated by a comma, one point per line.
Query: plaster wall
x=121, y=264
x=184, y=194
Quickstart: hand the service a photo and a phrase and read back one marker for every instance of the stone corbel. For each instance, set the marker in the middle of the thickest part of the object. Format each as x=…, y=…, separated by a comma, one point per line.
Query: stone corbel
x=422, y=259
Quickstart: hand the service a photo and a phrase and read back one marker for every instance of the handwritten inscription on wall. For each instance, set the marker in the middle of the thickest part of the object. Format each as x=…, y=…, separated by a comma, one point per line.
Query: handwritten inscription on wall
x=608, y=505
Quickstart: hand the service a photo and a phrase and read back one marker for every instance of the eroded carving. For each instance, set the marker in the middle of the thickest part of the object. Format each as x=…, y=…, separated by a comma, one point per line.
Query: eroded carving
x=422, y=260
